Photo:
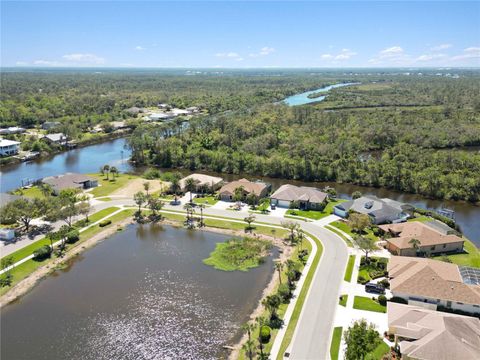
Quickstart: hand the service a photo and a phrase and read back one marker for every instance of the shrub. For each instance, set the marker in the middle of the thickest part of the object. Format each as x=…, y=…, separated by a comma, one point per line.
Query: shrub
x=265, y=334
x=105, y=223
x=73, y=236
x=362, y=280
x=284, y=292
x=398, y=300
x=385, y=283
x=42, y=253
x=152, y=174
x=382, y=300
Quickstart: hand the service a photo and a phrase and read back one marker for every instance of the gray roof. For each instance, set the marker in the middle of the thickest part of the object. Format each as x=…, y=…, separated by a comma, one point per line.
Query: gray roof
x=7, y=198
x=441, y=227
x=299, y=193
x=67, y=181
x=56, y=137
x=372, y=205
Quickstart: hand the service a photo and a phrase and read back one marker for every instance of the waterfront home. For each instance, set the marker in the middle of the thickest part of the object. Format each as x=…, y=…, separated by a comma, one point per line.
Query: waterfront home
x=57, y=139
x=432, y=335
x=9, y=147
x=431, y=240
x=134, y=111
x=158, y=116
x=203, y=182
x=380, y=211
x=304, y=197
x=48, y=125
x=258, y=188
x=12, y=130
x=69, y=181
x=435, y=284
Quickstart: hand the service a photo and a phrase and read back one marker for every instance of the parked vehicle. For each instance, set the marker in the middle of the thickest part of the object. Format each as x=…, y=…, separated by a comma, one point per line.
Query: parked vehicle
x=374, y=288
x=273, y=206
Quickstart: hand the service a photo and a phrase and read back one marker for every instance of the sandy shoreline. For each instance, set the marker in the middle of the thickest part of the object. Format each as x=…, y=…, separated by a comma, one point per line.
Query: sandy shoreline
x=39, y=274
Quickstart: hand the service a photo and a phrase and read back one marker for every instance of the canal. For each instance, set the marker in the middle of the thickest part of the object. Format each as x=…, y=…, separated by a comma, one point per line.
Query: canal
x=144, y=293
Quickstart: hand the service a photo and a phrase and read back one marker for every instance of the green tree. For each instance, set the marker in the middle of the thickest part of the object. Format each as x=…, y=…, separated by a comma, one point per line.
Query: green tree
x=361, y=338
x=140, y=199
x=415, y=244
x=191, y=186
x=106, y=170
x=249, y=220
x=359, y=222
x=366, y=244
x=238, y=193
x=279, y=268
x=356, y=195
x=272, y=303
x=23, y=211
x=146, y=187
x=114, y=171
x=249, y=346
x=292, y=227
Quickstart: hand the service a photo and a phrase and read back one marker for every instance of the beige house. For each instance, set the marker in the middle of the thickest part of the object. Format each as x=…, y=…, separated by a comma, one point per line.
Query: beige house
x=304, y=197
x=435, y=284
x=259, y=189
x=432, y=335
x=212, y=183
x=432, y=240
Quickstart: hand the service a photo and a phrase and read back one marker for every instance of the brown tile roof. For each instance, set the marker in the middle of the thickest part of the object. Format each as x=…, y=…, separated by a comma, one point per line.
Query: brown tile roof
x=431, y=279
x=250, y=187
x=427, y=235
x=434, y=335
x=299, y=193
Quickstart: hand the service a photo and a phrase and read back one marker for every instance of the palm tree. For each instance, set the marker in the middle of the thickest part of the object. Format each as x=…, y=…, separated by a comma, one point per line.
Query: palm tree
x=46, y=189
x=238, y=193
x=114, y=171
x=139, y=199
x=146, y=186
x=292, y=227
x=106, y=170
x=279, y=268
x=201, y=207
x=190, y=185
x=261, y=322
x=249, y=220
x=415, y=244
x=249, y=344
x=300, y=238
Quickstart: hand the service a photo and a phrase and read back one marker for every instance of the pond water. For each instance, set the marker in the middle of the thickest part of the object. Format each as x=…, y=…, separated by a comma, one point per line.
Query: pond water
x=86, y=159
x=302, y=99
x=144, y=293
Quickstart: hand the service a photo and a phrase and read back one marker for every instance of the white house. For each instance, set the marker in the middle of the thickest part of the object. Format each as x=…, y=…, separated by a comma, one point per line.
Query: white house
x=7, y=234
x=8, y=147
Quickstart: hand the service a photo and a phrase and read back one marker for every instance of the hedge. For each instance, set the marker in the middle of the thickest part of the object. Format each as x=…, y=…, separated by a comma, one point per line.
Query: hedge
x=105, y=223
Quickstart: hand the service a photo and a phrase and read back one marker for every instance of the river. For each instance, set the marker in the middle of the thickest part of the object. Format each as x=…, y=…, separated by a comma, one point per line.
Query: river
x=302, y=99
x=144, y=293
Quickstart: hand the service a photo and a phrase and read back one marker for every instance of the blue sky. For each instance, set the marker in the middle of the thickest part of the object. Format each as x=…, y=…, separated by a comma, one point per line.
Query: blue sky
x=240, y=34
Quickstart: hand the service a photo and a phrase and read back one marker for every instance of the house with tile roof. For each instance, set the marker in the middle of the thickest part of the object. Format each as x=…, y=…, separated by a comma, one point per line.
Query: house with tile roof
x=307, y=198
x=380, y=211
x=211, y=183
x=432, y=240
x=435, y=284
x=432, y=335
x=258, y=188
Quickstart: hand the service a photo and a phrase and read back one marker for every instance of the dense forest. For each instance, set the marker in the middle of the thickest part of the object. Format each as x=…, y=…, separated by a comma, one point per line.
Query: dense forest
x=412, y=132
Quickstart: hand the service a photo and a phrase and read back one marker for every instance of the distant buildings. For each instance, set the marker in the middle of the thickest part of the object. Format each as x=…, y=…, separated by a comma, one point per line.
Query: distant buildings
x=227, y=192
x=69, y=181
x=48, y=125
x=431, y=335
x=12, y=130
x=380, y=211
x=432, y=240
x=432, y=284
x=57, y=139
x=304, y=197
x=9, y=147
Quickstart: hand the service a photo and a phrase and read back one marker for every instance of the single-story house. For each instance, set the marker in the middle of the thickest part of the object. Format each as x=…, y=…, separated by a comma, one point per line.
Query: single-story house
x=433, y=335
x=380, y=211
x=159, y=116
x=431, y=240
x=58, y=138
x=69, y=181
x=306, y=197
x=48, y=125
x=134, y=111
x=8, y=147
x=258, y=188
x=212, y=183
x=435, y=284
x=12, y=130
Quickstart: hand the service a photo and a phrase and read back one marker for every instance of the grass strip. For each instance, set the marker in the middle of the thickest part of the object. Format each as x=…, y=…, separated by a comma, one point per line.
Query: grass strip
x=365, y=303
x=335, y=344
x=349, y=270
x=332, y=229
x=343, y=300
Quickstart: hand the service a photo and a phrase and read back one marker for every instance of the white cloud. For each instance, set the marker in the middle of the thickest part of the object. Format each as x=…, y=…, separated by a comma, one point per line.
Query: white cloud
x=441, y=47
x=21, y=63
x=139, y=48
x=429, y=57
x=468, y=53
x=266, y=50
x=84, y=58
x=47, y=63
x=391, y=51
x=344, y=54
x=230, y=54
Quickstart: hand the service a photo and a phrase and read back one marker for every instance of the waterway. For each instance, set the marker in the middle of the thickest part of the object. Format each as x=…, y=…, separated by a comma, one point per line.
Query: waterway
x=86, y=159
x=302, y=99
x=144, y=293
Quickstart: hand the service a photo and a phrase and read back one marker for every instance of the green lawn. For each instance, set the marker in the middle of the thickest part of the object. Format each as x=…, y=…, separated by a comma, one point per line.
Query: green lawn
x=349, y=270
x=32, y=192
x=471, y=257
x=343, y=300
x=342, y=226
x=21, y=272
x=106, y=187
x=301, y=299
x=335, y=345
x=207, y=200
x=421, y=218
x=310, y=214
x=378, y=353
x=365, y=303
x=371, y=271
x=329, y=208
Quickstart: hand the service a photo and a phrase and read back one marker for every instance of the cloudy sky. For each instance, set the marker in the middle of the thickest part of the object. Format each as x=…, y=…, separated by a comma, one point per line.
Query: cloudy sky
x=240, y=34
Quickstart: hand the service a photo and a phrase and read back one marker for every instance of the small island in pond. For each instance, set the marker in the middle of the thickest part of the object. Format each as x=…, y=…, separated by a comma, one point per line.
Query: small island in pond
x=239, y=254
x=317, y=95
